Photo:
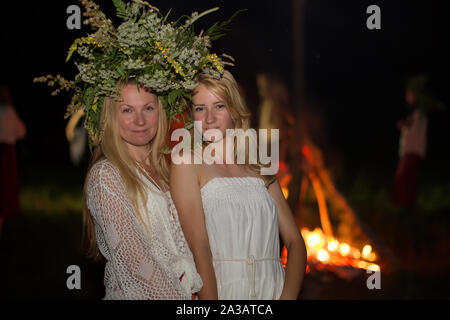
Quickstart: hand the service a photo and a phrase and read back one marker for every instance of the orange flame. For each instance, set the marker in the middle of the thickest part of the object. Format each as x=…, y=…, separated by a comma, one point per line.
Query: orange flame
x=322, y=247
x=326, y=250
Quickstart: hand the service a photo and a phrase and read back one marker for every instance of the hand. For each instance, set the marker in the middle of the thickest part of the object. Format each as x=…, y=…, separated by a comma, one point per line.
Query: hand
x=285, y=296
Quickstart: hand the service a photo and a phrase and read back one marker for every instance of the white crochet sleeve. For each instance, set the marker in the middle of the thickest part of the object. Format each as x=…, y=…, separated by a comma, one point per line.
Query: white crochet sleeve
x=125, y=244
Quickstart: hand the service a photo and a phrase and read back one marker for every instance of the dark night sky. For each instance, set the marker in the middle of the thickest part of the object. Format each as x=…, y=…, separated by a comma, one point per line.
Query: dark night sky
x=354, y=76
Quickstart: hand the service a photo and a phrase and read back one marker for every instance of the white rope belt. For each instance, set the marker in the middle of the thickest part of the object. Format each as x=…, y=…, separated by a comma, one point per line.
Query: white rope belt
x=251, y=269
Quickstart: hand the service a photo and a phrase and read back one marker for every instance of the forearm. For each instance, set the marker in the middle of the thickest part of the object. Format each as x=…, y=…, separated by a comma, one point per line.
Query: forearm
x=205, y=268
x=295, y=270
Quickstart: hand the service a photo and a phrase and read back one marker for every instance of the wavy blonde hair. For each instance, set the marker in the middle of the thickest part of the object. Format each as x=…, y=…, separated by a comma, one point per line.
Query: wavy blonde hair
x=112, y=147
x=227, y=89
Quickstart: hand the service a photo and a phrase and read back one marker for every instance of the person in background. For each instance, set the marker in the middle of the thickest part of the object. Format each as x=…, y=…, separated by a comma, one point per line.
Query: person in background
x=12, y=129
x=77, y=137
x=413, y=140
x=275, y=113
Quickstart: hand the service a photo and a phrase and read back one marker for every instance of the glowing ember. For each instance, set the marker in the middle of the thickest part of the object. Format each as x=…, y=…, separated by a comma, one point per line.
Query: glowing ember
x=366, y=251
x=285, y=192
x=308, y=270
x=374, y=267
x=356, y=254
x=344, y=249
x=323, y=255
x=368, y=254
x=333, y=245
x=315, y=239
x=330, y=251
x=284, y=256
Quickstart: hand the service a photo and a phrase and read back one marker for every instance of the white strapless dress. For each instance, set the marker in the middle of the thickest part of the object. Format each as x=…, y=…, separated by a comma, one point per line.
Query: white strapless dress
x=242, y=223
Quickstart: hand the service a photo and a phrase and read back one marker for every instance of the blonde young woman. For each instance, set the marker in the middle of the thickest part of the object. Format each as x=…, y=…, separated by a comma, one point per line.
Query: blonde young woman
x=232, y=215
x=129, y=216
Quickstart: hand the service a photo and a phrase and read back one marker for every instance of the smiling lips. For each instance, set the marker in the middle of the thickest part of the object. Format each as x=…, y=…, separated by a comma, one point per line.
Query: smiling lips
x=139, y=131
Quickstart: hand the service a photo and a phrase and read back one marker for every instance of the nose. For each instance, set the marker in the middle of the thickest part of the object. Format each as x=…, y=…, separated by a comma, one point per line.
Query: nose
x=139, y=119
x=209, y=117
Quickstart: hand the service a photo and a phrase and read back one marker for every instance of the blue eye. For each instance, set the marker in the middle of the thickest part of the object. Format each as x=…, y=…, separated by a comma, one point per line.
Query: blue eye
x=126, y=110
x=149, y=108
x=220, y=106
x=198, y=109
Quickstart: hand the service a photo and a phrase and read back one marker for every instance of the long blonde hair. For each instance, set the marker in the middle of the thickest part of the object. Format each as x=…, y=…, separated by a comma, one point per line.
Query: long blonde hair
x=227, y=89
x=112, y=147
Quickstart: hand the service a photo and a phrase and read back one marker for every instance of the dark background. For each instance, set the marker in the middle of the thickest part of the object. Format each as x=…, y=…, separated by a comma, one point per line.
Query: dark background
x=354, y=77
x=354, y=81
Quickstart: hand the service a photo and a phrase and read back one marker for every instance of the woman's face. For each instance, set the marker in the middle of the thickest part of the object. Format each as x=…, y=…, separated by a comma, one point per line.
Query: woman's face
x=210, y=110
x=137, y=114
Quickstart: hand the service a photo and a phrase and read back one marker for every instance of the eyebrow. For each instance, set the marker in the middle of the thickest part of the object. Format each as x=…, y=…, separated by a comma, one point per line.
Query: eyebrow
x=129, y=105
x=202, y=104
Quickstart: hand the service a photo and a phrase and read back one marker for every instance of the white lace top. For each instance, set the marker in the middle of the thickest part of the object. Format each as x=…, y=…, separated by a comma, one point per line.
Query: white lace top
x=143, y=262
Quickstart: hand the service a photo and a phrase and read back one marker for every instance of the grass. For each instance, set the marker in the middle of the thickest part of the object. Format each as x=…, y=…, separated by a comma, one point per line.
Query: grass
x=50, y=200
x=40, y=243
x=37, y=248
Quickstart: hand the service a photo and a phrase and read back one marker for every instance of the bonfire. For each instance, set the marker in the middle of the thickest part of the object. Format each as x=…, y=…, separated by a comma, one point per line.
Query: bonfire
x=324, y=250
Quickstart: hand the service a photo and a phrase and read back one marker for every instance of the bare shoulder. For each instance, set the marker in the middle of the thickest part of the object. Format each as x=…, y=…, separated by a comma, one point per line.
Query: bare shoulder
x=183, y=168
x=252, y=173
x=182, y=174
x=275, y=189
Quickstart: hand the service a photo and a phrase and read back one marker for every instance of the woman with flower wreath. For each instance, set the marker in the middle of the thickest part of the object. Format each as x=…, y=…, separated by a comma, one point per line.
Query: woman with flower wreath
x=128, y=213
x=131, y=80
